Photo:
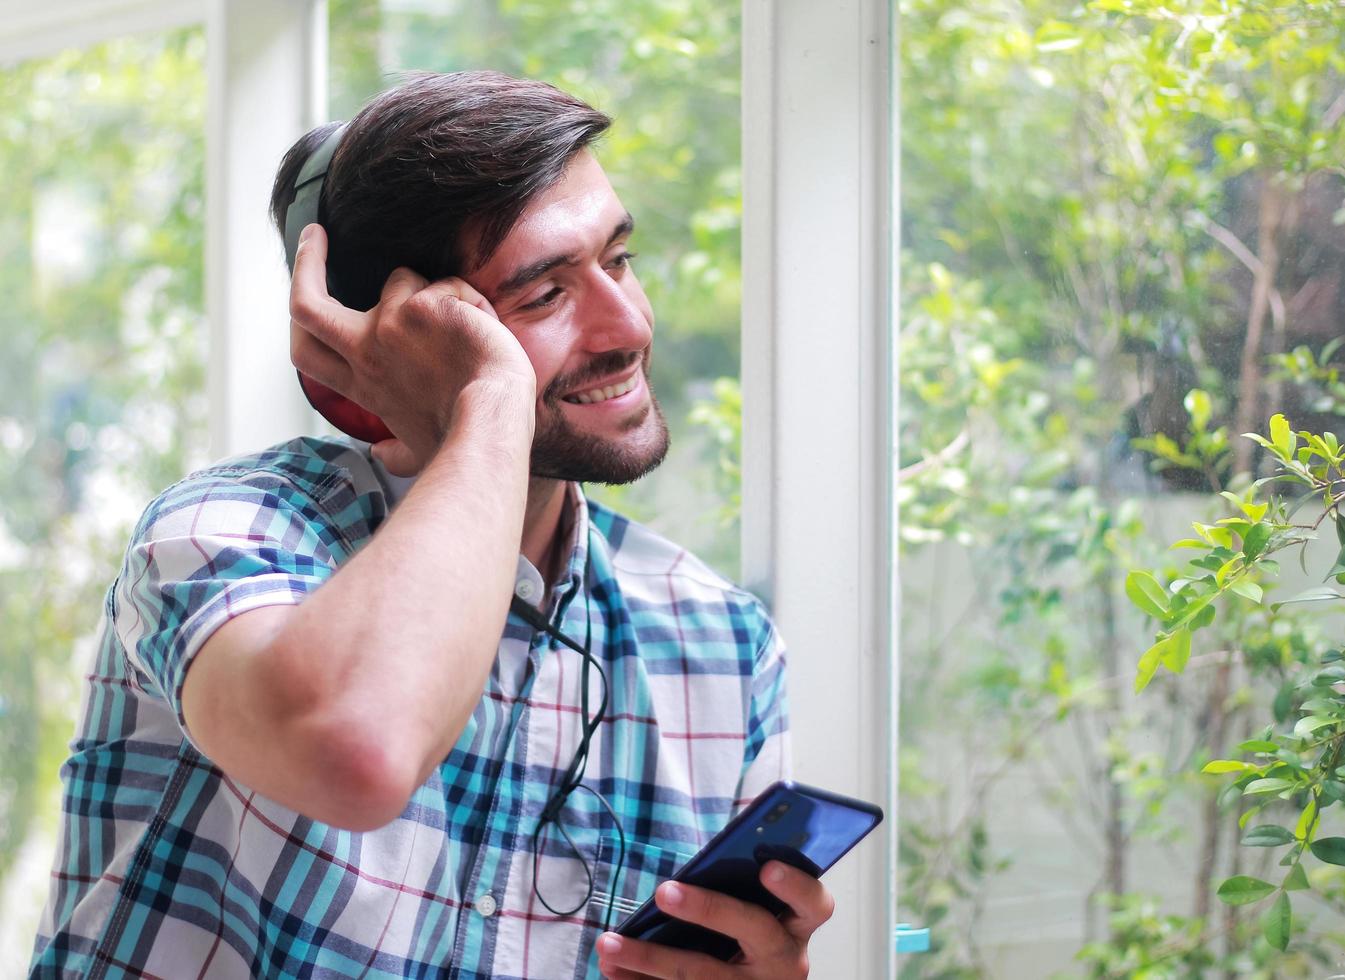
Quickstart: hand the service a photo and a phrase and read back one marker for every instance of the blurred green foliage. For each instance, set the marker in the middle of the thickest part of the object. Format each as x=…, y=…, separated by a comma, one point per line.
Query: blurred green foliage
x=1121, y=244
x=102, y=392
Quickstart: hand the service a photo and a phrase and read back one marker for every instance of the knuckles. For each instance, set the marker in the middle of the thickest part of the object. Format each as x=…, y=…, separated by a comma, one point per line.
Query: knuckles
x=826, y=907
x=303, y=309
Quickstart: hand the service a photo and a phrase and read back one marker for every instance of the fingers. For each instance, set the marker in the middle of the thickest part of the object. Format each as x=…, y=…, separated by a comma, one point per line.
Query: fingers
x=318, y=361
x=401, y=285
x=620, y=974
x=620, y=958
x=757, y=930
x=809, y=901
x=466, y=292
x=311, y=307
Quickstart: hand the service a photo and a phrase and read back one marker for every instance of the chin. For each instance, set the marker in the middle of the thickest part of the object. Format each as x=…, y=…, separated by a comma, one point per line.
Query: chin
x=561, y=453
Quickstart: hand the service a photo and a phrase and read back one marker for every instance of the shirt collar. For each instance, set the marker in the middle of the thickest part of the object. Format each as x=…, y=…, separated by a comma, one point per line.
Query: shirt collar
x=528, y=583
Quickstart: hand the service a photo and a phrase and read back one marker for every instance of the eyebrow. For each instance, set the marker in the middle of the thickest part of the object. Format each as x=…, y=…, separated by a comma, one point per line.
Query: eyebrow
x=535, y=270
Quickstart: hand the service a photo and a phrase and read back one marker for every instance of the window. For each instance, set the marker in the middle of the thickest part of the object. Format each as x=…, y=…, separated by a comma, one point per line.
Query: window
x=102, y=387
x=1122, y=231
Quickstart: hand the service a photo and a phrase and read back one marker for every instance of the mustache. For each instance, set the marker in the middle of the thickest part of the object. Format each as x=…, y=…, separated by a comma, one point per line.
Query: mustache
x=596, y=369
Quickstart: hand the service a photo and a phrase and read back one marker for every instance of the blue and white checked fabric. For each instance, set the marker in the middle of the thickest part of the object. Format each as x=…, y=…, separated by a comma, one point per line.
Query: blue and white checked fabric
x=168, y=868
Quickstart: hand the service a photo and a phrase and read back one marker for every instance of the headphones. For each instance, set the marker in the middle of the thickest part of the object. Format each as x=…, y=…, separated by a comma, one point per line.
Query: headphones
x=304, y=210
x=552, y=815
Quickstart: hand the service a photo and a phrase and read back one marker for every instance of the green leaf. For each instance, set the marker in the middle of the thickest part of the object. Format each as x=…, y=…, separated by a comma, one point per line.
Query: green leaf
x=1178, y=650
x=1190, y=543
x=1197, y=404
x=1220, y=766
x=1338, y=568
x=1277, y=923
x=1243, y=890
x=1247, y=589
x=1284, y=700
x=1307, y=820
x=1254, y=541
x=1202, y=619
x=1330, y=675
x=1334, y=790
x=1273, y=785
x=1056, y=35
x=1318, y=594
x=1148, y=665
x=1317, y=706
x=1282, y=436
x=1258, y=745
x=1330, y=850
x=1306, y=726
x=1145, y=592
x=1228, y=568
x=1268, y=835
x=1296, y=880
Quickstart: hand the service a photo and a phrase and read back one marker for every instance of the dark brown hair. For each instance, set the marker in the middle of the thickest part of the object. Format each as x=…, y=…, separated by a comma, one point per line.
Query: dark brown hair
x=430, y=160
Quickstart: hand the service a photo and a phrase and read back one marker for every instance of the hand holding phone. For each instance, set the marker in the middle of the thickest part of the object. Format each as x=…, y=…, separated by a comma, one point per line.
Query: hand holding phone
x=802, y=826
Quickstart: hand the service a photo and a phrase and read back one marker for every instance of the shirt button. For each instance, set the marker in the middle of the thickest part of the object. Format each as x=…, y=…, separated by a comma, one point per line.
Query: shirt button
x=524, y=589
x=485, y=905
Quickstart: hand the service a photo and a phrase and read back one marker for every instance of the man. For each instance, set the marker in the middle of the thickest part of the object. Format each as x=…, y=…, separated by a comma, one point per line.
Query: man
x=377, y=777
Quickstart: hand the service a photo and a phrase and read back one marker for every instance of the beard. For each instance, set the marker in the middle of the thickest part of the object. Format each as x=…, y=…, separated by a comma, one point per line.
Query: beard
x=560, y=452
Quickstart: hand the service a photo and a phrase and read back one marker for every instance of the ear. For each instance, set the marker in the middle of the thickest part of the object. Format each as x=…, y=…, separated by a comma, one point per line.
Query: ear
x=340, y=411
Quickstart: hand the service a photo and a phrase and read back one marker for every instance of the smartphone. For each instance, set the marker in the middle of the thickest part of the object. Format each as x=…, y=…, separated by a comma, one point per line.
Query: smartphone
x=808, y=828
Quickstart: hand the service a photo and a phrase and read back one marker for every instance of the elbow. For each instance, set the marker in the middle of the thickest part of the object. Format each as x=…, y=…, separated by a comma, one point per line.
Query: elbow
x=351, y=771
x=361, y=782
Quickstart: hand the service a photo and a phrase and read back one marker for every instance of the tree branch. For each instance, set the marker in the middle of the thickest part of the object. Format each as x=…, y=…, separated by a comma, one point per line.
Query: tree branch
x=938, y=459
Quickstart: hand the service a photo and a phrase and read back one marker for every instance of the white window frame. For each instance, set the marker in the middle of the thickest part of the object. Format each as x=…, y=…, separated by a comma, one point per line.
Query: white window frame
x=818, y=277
x=818, y=523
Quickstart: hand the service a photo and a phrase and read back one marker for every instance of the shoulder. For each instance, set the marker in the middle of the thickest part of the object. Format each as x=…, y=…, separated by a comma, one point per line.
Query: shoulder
x=328, y=482
x=658, y=577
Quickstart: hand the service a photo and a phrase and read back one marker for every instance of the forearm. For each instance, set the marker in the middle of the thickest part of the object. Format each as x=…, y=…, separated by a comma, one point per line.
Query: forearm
x=406, y=633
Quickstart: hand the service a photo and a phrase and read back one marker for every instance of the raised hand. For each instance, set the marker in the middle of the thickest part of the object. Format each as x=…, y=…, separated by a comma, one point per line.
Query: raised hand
x=407, y=360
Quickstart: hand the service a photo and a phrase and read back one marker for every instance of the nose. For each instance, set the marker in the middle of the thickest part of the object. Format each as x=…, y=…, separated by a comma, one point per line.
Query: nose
x=616, y=314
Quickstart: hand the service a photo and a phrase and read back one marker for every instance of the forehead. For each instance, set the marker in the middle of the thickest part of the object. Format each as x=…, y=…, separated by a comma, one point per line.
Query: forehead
x=572, y=217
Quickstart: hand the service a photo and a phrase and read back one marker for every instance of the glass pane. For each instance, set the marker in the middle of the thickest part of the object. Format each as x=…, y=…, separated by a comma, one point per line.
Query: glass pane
x=1123, y=235
x=102, y=400
x=669, y=74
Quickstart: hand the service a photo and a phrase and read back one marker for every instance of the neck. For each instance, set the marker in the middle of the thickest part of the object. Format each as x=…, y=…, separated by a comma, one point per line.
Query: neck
x=542, y=526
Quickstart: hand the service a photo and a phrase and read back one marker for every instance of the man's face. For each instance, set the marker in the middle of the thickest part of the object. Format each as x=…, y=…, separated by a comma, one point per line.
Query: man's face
x=561, y=282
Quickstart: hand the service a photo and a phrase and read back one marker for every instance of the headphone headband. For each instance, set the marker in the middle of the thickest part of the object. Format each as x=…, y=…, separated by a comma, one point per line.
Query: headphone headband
x=303, y=210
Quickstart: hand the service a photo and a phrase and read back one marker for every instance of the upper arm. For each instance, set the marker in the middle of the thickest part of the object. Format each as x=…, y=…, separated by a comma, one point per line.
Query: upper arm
x=213, y=576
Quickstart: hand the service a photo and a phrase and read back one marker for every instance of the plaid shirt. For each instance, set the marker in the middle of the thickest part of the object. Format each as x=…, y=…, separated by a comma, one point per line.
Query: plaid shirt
x=169, y=868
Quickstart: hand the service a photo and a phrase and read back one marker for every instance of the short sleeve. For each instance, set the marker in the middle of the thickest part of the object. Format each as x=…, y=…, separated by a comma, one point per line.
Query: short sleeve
x=766, y=754
x=207, y=550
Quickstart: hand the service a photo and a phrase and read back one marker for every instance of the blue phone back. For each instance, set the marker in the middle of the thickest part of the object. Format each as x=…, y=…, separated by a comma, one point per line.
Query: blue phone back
x=802, y=826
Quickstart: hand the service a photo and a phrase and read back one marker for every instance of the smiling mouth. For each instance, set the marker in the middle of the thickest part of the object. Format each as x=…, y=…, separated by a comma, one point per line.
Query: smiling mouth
x=594, y=395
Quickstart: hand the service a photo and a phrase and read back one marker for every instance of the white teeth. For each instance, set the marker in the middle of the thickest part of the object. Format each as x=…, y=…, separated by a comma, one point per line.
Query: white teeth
x=602, y=394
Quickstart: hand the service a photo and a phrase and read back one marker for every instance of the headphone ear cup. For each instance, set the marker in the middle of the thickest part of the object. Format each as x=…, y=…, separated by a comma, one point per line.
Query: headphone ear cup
x=343, y=413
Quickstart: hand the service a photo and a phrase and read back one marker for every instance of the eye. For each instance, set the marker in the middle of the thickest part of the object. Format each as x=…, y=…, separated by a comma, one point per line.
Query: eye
x=621, y=261
x=546, y=299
